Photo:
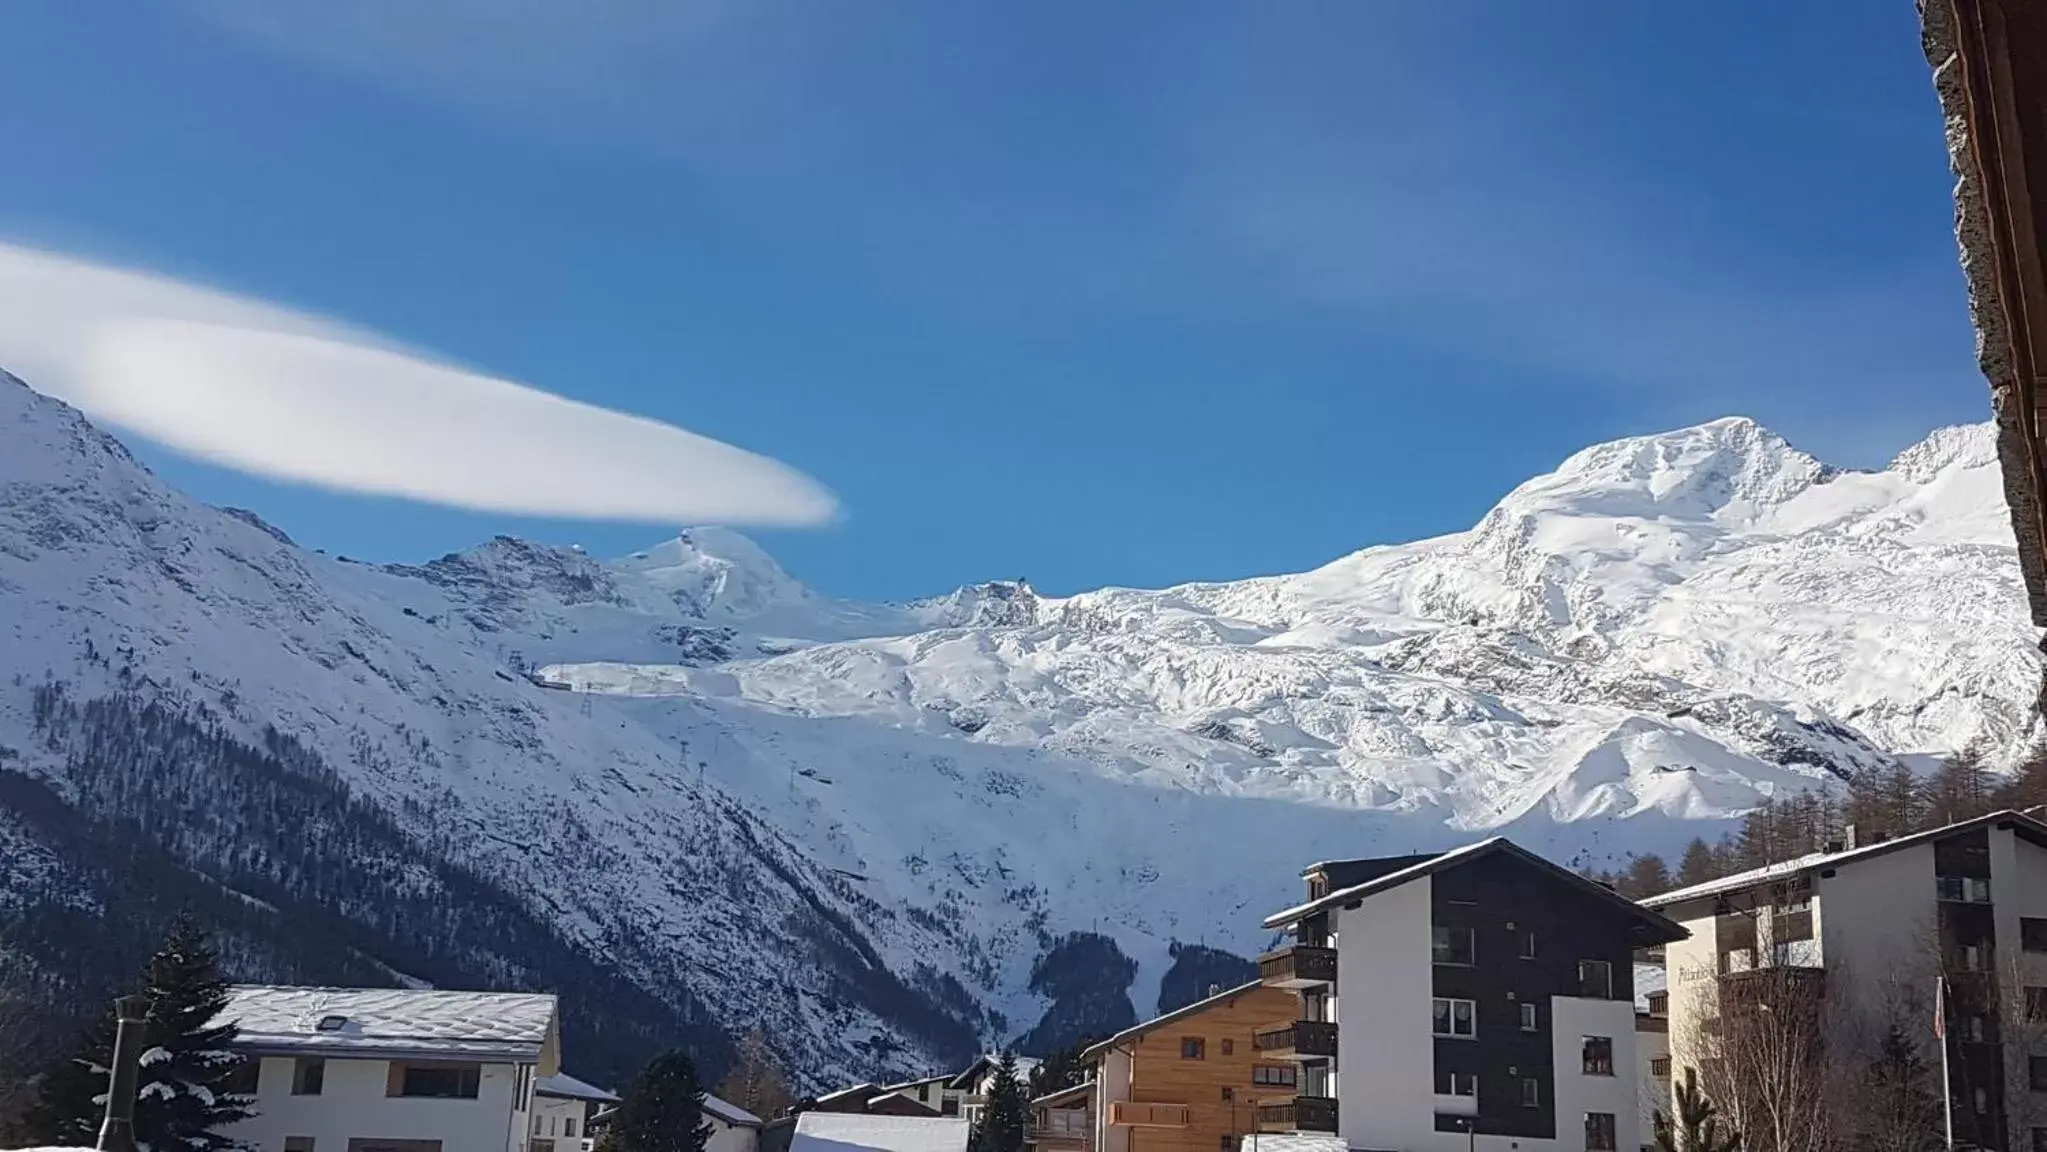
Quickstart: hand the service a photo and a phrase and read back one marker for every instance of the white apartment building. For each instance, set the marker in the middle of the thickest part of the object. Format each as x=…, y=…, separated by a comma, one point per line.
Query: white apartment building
x=392, y=1070
x=1867, y=930
x=563, y=1107
x=1475, y=999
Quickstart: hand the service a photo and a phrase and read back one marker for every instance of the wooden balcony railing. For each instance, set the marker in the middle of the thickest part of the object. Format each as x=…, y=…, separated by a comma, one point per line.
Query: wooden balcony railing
x=1145, y=1114
x=1297, y=966
x=1301, y=1114
x=1299, y=1039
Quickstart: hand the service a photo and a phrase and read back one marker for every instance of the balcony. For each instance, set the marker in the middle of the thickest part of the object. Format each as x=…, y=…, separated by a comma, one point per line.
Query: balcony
x=1297, y=966
x=1061, y=1132
x=1144, y=1114
x=1301, y=1114
x=1298, y=1040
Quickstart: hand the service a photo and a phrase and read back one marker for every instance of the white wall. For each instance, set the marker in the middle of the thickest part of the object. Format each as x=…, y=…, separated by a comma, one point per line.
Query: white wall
x=352, y=1105
x=1385, y=977
x=1875, y=921
x=553, y=1118
x=730, y=1137
x=1112, y=1083
x=1571, y=1020
x=1655, y=1092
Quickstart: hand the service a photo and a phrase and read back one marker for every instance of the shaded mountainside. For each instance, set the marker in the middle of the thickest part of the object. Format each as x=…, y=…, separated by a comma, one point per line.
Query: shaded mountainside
x=696, y=797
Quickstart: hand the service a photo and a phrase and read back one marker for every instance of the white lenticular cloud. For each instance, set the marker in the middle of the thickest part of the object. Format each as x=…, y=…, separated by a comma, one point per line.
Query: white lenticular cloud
x=276, y=393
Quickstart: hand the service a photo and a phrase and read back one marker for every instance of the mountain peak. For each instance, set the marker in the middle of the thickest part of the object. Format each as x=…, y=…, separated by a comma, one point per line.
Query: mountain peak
x=1730, y=467
x=713, y=571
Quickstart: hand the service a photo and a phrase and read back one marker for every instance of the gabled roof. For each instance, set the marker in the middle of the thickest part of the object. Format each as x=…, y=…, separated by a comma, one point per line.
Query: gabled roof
x=1080, y=1091
x=1659, y=928
x=730, y=1113
x=566, y=1087
x=391, y=1021
x=985, y=1064
x=2026, y=826
x=941, y=1078
x=853, y=1132
x=1135, y=1031
x=864, y=1090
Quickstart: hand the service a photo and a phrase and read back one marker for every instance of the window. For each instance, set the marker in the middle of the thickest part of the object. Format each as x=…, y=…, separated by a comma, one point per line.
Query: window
x=1659, y=1003
x=1229, y=1093
x=1599, y=1055
x=308, y=1073
x=242, y=1081
x=298, y=1144
x=1659, y=1067
x=1531, y=1092
x=1193, y=1048
x=924, y=1093
x=2036, y=1004
x=1528, y=945
x=1315, y=1006
x=1600, y=1133
x=1456, y=946
x=358, y=1144
x=1229, y=1047
x=1967, y=889
x=1452, y=1083
x=539, y=1124
x=569, y=1126
x=2036, y=1073
x=539, y=1146
x=950, y=1106
x=1318, y=887
x=1595, y=979
x=2033, y=934
x=1277, y=1075
x=440, y=1081
x=1455, y=1017
x=1528, y=1016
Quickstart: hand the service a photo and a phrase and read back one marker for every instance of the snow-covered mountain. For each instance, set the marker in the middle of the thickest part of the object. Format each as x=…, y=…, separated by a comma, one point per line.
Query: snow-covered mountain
x=699, y=796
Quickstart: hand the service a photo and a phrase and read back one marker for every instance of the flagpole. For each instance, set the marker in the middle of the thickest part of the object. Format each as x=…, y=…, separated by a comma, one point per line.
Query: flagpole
x=1947, y=1098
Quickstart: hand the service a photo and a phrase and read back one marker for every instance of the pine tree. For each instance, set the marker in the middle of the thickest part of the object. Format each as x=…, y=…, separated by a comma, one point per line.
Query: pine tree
x=185, y=1085
x=1647, y=876
x=757, y=1082
x=663, y=1111
x=1004, y=1112
x=1062, y=1069
x=1698, y=865
x=1697, y=1126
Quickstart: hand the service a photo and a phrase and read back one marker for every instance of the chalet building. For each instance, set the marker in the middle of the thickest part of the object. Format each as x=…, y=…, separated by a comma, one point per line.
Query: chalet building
x=1479, y=998
x=563, y=1109
x=971, y=1084
x=1063, y=1121
x=1193, y=1080
x=1652, y=1045
x=934, y=1092
x=394, y=1070
x=876, y=1132
x=869, y=1100
x=1864, y=933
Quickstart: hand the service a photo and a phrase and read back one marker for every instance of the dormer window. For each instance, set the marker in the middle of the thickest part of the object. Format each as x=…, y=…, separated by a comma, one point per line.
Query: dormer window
x=331, y=1024
x=1318, y=886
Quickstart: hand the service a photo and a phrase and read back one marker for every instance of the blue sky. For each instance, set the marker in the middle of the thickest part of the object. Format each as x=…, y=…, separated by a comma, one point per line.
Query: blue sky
x=1084, y=293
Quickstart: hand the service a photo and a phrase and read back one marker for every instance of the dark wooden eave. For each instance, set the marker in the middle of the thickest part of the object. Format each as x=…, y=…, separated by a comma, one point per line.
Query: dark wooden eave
x=1989, y=62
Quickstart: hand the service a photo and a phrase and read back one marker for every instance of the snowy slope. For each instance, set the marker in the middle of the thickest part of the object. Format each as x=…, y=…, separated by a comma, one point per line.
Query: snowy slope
x=684, y=759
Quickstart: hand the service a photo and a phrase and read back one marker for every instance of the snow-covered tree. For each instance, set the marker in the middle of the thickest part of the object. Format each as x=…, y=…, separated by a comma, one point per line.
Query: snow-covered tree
x=663, y=1111
x=186, y=1083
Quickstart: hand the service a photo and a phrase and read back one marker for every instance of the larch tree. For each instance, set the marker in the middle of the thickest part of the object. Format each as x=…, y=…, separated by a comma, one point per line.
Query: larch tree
x=757, y=1082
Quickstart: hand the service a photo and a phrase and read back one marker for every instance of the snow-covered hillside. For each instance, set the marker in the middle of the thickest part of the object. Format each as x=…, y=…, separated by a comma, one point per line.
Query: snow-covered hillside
x=865, y=826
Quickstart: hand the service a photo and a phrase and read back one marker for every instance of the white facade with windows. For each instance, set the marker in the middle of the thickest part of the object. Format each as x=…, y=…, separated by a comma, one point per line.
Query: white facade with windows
x=1875, y=924
x=1553, y=1061
x=392, y=1070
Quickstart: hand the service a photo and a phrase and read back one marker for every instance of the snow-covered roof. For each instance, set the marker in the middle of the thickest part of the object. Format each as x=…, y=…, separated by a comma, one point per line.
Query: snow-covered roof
x=567, y=1087
x=1080, y=1091
x=1649, y=978
x=985, y=1064
x=1293, y=1142
x=847, y=1132
x=730, y=1113
x=1785, y=869
x=391, y=1021
x=864, y=1090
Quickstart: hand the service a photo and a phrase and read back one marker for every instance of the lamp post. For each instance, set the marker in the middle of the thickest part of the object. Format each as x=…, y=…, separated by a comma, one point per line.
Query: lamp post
x=117, y=1131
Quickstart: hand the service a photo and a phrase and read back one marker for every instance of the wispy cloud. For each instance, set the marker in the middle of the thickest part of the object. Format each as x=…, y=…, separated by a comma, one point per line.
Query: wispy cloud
x=281, y=394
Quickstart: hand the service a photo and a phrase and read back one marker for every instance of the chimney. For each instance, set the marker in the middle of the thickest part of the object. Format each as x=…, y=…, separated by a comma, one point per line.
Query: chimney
x=117, y=1132
x=1834, y=846
x=1215, y=989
